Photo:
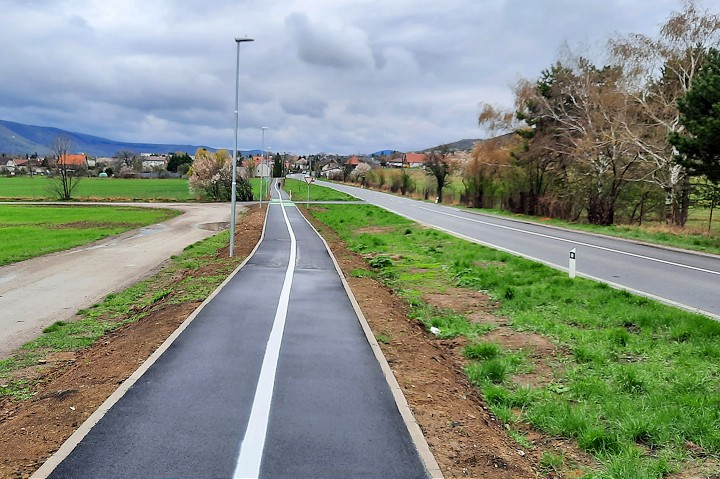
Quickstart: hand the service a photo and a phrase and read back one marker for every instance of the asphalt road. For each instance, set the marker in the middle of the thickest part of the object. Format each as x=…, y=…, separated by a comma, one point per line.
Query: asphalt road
x=274, y=378
x=682, y=278
x=37, y=292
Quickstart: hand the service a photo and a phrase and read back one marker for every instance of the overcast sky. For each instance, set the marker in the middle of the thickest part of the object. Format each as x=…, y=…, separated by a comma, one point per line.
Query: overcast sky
x=342, y=76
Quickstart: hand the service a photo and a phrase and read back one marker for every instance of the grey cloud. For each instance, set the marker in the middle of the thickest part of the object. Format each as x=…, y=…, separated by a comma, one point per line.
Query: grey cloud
x=405, y=74
x=321, y=45
x=304, y=106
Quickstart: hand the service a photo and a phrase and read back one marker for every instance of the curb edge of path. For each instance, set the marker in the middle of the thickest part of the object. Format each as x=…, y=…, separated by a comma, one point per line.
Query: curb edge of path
x=76, y=437
x=416, y=434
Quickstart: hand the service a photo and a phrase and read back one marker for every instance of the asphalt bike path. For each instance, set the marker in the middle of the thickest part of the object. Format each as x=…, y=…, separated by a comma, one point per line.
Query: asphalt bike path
x=274, y=378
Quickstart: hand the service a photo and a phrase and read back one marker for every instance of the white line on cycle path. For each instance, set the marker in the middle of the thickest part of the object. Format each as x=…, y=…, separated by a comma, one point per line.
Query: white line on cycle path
x=253, y=443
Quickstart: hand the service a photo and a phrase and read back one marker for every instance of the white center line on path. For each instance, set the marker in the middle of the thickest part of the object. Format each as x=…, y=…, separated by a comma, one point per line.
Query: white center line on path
x=252, y=445
x=680, y=265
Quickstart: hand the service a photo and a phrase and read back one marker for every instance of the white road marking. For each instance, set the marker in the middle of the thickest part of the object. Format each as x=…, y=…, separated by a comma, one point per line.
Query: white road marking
x=589, y=245
x=252, y=445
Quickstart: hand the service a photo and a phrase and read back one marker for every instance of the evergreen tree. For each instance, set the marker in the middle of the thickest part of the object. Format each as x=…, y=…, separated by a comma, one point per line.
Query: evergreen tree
x=699, y=144
x=177, y=159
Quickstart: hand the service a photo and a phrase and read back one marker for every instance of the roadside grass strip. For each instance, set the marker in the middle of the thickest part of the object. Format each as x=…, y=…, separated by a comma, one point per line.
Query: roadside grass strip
x=119, y=309
x=694, y=236
x=634, y=382
x=98, y=189
x=28, y=231
x=299, y=192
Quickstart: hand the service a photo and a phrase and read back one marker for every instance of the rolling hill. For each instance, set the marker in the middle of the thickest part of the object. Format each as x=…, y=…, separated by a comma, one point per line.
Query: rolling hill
x=37, y=139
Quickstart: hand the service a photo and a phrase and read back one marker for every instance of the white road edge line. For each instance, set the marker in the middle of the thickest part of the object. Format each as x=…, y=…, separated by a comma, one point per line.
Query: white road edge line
x=579, y=243
x=71, y=443
x=253, y=443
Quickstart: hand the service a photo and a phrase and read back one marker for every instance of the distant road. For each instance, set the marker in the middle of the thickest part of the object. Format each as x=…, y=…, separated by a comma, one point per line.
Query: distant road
x=682, y=278
x=37, y=292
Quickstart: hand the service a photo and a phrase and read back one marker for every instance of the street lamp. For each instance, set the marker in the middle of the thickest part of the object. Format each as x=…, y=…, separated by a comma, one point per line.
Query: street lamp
x=233, y=194
x=269, y=170
x=262, y=162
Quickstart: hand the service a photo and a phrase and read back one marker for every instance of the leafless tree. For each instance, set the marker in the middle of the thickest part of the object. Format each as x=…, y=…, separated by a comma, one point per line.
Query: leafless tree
x=65, y=180
x=658, y=71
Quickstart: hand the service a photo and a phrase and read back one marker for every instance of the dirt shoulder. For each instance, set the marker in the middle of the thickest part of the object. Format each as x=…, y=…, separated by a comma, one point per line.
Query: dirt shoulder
x=466, y=439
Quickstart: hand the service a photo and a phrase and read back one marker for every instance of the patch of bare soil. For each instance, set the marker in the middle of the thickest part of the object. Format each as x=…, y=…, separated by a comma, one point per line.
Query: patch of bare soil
x=72, y=385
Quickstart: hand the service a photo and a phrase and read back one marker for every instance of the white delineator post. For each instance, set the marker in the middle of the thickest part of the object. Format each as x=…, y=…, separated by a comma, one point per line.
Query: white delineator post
x=571, y=269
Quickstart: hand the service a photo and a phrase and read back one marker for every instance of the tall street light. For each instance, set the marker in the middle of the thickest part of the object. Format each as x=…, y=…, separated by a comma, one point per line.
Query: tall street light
x=270, y=171
x=262, y=162
x=233, y=194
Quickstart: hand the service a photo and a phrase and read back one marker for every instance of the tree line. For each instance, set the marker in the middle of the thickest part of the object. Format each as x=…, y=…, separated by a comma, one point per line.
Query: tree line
x=636, y=135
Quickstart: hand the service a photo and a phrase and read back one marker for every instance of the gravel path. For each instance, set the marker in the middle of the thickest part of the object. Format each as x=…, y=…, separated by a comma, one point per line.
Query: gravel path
x=37, y=292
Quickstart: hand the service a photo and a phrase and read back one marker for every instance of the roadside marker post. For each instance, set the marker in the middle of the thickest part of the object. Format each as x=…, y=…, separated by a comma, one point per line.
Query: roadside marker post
x=308, y=179
x=571, y=269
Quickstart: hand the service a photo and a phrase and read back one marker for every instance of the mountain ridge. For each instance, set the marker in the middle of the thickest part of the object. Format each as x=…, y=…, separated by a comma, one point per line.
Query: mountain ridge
x=29, y=139
x=19, y=138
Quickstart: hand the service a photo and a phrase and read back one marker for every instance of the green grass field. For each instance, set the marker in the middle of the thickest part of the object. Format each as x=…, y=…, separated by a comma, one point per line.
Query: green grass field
x=299, y=191
x=33, y=230
x=633, y=382
x=115, y=189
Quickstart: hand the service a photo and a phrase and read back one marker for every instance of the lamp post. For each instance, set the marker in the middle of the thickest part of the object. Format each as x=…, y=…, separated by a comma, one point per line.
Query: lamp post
x=270, y=170
x=262, y=162
x=233, y=194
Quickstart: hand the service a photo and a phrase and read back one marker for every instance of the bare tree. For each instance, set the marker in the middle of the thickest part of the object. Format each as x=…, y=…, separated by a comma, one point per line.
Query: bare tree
x=65, y=180
x=489, y=164
x=658, y=71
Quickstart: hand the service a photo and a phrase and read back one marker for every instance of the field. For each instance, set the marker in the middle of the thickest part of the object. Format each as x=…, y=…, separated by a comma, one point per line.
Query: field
x=33, y=230
x=99, y=189
x=632, y=382
x=299, y=191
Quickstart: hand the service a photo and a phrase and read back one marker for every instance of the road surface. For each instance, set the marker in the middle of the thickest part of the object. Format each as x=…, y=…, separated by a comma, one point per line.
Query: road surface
x=681, y=278
x=37, y=292
x=274, y=378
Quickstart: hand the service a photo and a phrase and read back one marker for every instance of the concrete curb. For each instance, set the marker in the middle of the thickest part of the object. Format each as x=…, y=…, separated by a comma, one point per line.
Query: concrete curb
x=412, y=425
x=67, y=447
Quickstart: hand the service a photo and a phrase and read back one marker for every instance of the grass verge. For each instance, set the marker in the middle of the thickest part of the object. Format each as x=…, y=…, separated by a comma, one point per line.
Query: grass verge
x=633, y=382
x=186, y=278
x=694, y=237
x=299, y=191
x=33, y=230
